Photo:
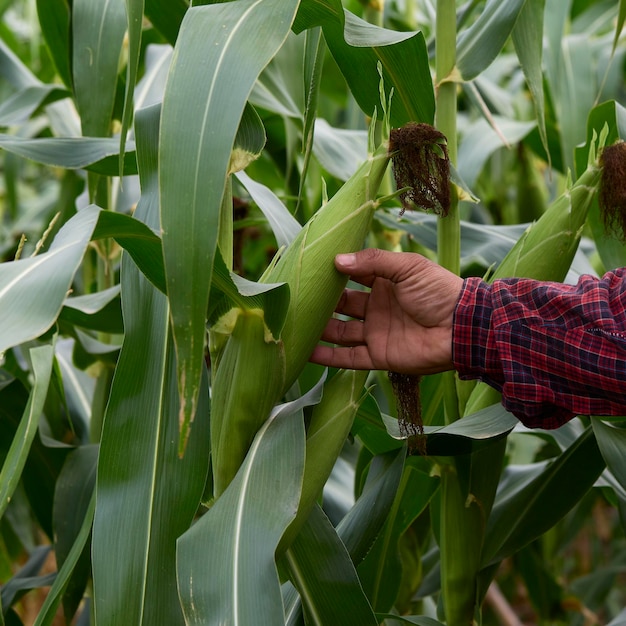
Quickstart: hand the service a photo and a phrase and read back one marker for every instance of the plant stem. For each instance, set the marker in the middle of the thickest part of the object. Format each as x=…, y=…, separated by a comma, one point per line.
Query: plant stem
x=448, y=228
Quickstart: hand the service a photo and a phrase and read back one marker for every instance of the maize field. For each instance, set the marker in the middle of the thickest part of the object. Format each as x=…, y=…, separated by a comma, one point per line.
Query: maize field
x=176, y=178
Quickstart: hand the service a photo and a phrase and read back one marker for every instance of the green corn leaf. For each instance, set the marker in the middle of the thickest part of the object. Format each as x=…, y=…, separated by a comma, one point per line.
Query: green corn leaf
x=364, y=521
x=404, y=62
x=141, y=478
x=235, y=41
x=72, y=500
x=134, y=15
x=358, y=47
x=479, y=45
x=41, y=358
x=381, y=570
x=40, y=284
x=239, y=534
x=321, y=570
x=166, y=16
x=531, y=499
x=54, y=19
x=611, y=441
x=283, y=224
x=329, y=425
x=98, y=28
x=95, y=154
x=18, y=108
x=528, y=41
x=47, y=613
x=14, y=71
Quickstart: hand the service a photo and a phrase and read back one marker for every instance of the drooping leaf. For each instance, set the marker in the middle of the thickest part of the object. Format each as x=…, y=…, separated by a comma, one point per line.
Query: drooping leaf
x=235, y=40
x=40, y=284
x=404, y=61
x=96, y=154
x=241, y=531
x=479, y=45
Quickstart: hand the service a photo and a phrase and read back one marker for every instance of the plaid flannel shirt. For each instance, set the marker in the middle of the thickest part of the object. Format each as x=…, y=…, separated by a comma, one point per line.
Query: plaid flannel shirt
x=553, y=350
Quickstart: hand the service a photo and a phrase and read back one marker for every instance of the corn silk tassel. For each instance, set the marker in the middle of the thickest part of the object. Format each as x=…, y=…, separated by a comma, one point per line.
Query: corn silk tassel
x=421, y=167
x=253, y=367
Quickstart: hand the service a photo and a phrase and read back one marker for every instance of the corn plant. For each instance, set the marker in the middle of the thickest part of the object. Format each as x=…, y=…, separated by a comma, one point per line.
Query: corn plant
x=177, y=177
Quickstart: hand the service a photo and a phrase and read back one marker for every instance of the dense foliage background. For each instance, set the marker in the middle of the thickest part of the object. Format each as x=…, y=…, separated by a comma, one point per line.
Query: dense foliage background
x=147, y=148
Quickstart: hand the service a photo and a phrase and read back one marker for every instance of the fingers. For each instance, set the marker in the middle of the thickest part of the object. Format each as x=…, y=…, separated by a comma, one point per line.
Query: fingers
x=353, y=303
x=354, y=358
x=366, y=265
x=344, y=333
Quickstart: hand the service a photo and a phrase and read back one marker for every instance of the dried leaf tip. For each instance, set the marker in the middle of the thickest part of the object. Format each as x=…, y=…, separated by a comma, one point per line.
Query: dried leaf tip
x=612, y=194
x=421, y=163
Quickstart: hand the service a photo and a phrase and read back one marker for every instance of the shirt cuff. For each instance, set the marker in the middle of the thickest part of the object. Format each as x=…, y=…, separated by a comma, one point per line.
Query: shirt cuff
x=474, y=351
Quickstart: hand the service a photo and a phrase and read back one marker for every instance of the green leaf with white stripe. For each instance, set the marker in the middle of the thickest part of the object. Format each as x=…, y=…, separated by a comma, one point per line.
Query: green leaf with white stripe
x=141, y=479
x=38, y=285
x=226, y=568
x=220, y=52
x=41, y=359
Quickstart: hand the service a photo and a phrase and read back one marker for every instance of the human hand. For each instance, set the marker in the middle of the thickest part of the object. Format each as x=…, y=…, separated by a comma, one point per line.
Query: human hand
x=403, y=324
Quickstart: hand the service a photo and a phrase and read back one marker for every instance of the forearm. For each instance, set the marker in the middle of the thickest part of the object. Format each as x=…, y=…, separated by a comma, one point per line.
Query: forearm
x=553, y=350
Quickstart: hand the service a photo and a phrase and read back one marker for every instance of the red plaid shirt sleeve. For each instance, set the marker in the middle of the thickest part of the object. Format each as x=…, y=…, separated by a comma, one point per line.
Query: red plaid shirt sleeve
x=553, y=350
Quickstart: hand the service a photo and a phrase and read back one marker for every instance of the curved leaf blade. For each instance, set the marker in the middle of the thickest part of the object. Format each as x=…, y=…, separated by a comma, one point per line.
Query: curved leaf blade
x=42, y=359
x=240, y=533
x=40, y=284
x=480, y=44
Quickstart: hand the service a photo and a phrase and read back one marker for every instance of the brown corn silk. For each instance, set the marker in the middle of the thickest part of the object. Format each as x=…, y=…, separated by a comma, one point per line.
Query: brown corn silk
x=612, y=194
x=421, y=165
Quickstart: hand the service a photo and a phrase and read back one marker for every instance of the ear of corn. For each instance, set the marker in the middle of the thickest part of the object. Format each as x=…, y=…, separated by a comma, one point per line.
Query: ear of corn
x=307, y=265
x=235, y=415
x=254, y=368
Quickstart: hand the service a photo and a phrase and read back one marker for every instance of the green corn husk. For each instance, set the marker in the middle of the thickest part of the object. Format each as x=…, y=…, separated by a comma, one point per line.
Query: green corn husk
x=253, y=369
x=307, y=265
x=330, y=424
x=236, y=412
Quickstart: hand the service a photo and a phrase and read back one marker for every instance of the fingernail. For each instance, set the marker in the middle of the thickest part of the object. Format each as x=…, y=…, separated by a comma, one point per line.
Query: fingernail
x=346, y=260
